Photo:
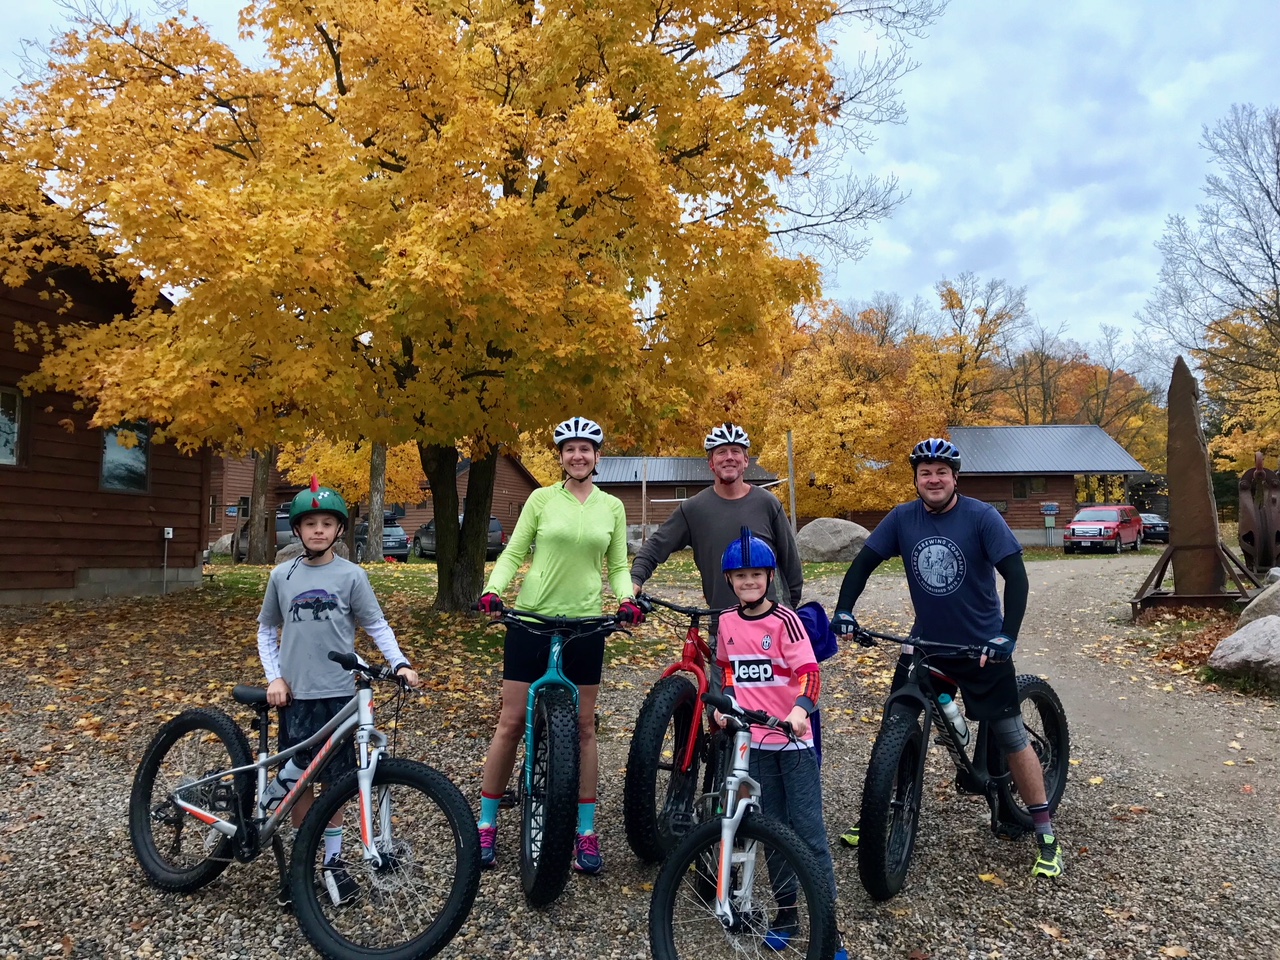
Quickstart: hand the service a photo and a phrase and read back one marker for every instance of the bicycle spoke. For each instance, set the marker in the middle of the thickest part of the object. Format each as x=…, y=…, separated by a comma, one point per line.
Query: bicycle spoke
x=410, y=896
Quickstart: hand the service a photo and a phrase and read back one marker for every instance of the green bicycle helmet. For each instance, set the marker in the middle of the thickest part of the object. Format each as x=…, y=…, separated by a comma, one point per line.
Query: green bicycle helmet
x=317, y=499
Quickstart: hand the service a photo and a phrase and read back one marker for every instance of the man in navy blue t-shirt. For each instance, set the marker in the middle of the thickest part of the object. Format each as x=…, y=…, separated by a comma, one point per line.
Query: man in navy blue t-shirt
x=951, y=548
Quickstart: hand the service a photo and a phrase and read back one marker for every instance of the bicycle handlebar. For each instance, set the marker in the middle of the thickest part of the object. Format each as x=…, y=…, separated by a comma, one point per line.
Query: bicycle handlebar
x=527, y=618
x=731, y=708
x=954, y=649
x=675, y=607
x=349, y=661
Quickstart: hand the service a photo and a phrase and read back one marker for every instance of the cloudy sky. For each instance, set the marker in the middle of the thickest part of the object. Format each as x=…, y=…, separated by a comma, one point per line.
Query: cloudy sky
x=1045, y=145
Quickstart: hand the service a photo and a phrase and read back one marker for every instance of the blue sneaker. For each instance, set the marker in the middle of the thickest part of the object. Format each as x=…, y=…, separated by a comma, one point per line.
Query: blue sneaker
x=842, y=954
x=783, y=929
x=488, y=847
x=587, y=857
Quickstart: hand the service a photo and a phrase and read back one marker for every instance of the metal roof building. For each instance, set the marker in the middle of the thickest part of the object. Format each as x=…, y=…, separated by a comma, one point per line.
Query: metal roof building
x=1043, y=450
x=685, y=470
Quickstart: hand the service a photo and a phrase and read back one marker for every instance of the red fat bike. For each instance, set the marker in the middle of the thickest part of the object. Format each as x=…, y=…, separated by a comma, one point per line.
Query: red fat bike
x=672, y=743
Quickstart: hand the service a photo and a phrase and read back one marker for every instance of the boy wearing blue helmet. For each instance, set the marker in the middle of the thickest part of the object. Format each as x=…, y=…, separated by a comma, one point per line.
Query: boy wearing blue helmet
x=768, y=664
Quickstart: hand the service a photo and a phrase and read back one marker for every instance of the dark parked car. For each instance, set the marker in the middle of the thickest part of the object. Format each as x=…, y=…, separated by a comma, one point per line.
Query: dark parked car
x=424, y=541
x=395, y=542
x=284, y=537
x=1155, y=528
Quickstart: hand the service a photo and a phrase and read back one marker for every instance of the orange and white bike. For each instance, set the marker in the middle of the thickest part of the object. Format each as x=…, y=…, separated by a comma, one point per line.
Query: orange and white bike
x=199, y=801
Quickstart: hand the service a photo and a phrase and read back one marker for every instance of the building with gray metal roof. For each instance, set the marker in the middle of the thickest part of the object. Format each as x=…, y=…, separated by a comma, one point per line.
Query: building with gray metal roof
x=692, y=471
x=1076, y=449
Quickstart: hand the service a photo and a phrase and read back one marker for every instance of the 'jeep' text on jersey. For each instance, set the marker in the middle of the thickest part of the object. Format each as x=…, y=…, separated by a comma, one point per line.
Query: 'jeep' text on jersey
x=765, y=656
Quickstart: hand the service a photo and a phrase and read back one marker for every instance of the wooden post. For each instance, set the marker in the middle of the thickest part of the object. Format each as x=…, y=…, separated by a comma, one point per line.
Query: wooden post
x=644, y=499
x=791, y=479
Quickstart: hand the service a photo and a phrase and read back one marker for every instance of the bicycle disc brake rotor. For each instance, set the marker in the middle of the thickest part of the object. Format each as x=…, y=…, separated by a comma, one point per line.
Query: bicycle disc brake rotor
x=398, y=870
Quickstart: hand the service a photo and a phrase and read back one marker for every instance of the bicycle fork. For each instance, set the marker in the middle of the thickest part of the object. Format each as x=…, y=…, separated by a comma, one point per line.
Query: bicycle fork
x=733, y=904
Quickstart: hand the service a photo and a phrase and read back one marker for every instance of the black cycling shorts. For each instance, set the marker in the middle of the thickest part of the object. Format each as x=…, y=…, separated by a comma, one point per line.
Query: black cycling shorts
x=989, y=693
x=302, y=718
x=525, y=653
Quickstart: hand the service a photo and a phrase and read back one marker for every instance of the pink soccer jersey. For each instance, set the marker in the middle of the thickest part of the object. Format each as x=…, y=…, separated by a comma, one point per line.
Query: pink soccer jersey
x=765, y=657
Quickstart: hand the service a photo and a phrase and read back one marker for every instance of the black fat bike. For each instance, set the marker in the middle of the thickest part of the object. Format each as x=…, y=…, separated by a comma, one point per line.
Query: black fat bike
x=892, y=793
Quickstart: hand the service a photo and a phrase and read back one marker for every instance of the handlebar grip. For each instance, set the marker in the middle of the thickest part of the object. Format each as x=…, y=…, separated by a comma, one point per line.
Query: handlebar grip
x=722, y=703
x=347, y=661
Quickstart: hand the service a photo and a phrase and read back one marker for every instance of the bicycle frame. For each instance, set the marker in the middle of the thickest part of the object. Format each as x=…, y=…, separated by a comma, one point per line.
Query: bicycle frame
x=695, y=658
x=357, y=715
x=974, y=775
x=554, y=676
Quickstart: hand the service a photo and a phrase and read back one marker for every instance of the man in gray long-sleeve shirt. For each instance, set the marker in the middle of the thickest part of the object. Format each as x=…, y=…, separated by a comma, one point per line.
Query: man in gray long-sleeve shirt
x=711, y=519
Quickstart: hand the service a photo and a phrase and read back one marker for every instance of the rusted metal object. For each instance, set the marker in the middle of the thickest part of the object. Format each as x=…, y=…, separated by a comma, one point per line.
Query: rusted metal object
x=1260, y=516
x=1201, y=561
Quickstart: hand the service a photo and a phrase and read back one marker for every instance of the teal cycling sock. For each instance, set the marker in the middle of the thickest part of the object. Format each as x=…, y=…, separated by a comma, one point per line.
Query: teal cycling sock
x=489, y=809
x=332, y=842
x=587, y=816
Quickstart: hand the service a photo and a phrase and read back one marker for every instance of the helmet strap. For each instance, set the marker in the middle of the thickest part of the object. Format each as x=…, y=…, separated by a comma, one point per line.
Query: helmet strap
x=307, y=552
x=955, y=495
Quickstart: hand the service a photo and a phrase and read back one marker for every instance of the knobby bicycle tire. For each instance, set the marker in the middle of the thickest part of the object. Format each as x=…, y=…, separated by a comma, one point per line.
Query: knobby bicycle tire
x=682, y=920
x=550, y=809
x=416, y=902
x=650, y=807
x=1046, y=723
x=193, y=745
x=891, y=798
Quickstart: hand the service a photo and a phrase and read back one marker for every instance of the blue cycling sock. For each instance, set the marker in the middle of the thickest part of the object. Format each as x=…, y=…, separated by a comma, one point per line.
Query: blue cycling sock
x=587, y=816
x=489, y=809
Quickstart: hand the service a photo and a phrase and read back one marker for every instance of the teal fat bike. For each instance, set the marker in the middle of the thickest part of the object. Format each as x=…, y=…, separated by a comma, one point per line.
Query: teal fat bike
x=547, y=789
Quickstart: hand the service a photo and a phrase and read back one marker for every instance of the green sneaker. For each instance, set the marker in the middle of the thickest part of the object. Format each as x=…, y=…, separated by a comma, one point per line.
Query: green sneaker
x=850, y=837
x=1048, y=857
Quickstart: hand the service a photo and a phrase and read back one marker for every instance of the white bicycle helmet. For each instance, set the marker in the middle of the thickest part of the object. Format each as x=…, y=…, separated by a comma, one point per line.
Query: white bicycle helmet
x=724, y=434
x=578, y=428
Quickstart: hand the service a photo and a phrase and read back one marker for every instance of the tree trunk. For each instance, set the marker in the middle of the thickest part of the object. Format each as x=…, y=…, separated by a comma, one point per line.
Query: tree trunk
x=377, y=500
x=460, y=554
x=262, y=518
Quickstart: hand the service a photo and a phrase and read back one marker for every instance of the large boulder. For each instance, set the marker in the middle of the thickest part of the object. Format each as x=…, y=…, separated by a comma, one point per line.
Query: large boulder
x=636, y=537
x=1265, y=604
x=827, y=539
x=293, y=550
x=1252, y=651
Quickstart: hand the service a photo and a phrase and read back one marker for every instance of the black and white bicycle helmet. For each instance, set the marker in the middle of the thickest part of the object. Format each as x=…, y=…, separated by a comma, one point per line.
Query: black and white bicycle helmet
x=936, y=450
x=578, y=428
x=724, y=434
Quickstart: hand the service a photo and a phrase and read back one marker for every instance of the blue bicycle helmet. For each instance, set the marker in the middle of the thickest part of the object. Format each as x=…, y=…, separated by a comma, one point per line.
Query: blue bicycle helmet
x=936, y=450
x=748, y=553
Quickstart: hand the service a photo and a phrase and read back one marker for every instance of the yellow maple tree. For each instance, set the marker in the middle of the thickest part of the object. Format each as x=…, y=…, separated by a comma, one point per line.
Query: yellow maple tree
x=344, y=466
x=424, y=222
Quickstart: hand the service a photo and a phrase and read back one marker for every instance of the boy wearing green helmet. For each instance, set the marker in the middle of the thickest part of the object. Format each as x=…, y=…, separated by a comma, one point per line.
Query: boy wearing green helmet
x=312, y=606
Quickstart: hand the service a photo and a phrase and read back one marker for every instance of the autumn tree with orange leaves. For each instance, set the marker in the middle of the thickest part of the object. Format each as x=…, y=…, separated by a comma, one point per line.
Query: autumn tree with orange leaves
x=436, y=223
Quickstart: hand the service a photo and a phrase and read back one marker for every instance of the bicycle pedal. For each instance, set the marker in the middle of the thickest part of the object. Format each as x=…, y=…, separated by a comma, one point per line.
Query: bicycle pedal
x=508, y=800
x=1009, y=831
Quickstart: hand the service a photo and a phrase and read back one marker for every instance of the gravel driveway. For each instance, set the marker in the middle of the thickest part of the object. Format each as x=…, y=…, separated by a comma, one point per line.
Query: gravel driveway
x=1168, y=820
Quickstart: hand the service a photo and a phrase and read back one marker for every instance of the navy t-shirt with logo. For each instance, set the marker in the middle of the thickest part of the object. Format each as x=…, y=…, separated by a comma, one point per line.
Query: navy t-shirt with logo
x=950, y=562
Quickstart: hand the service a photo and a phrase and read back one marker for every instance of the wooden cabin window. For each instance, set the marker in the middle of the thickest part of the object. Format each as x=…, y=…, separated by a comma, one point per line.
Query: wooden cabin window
x=10, y=425
x=1024, y=488
x=124, y=467
x=682, y=493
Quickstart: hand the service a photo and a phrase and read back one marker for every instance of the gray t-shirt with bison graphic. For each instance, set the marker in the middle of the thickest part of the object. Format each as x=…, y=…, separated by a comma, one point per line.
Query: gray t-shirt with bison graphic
x=317, y=609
